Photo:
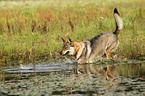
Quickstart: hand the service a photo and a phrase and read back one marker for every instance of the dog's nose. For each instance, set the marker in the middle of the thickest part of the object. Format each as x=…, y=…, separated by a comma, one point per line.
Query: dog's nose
x=60, y=52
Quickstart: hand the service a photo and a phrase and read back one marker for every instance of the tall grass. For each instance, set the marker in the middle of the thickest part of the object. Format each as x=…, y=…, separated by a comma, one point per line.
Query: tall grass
x=30, y=31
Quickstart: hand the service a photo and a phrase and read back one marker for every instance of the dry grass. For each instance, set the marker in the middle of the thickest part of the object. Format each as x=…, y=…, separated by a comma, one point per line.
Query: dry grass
x=33, y=30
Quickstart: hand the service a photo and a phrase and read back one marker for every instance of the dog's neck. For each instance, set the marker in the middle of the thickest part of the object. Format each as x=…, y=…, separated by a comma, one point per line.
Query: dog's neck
x=79, y=48
x=77, y=52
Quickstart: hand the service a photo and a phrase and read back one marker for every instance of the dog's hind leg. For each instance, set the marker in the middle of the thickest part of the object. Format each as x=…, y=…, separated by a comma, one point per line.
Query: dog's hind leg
x=111, y=48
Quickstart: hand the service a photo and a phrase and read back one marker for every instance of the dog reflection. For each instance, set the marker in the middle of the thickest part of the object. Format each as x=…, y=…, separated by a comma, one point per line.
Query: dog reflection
x=101, y=71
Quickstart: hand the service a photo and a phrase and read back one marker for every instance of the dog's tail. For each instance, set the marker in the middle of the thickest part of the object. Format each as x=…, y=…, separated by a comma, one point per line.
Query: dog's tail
x=119, y=22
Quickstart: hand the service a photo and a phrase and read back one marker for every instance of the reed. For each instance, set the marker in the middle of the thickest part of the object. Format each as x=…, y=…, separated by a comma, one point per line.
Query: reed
x=30, y=29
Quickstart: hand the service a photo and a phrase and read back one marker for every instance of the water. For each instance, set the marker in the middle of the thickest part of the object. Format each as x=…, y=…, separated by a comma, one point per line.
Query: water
x=61, y=78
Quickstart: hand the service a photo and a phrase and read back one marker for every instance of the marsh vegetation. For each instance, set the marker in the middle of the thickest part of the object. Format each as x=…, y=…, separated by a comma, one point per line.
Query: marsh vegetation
x=33, y=30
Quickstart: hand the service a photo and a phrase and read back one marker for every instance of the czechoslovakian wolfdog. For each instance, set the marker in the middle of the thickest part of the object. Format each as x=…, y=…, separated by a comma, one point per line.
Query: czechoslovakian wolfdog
x=89, y=51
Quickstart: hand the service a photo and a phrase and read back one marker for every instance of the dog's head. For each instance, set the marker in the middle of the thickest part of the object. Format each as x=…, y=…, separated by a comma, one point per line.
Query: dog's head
x=68, y=47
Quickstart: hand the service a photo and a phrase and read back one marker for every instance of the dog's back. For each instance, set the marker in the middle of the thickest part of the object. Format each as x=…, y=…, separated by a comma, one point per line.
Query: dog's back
x=103, y=43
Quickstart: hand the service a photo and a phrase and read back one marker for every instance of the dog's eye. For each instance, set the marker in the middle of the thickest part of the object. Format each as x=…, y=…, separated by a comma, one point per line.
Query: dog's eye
x=66, y=47
x=72, y=45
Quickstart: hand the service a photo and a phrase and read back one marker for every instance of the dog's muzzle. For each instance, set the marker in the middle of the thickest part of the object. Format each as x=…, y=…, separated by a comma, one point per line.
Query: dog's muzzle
x=63, y=54
x=60, y=52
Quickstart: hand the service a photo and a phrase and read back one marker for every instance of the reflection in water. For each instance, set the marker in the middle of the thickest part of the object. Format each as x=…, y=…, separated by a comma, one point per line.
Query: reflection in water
x=103, y=71
x=63, y=79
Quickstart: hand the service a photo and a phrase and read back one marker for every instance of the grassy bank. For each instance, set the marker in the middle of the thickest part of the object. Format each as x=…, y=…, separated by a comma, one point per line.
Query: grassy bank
x=33, y=30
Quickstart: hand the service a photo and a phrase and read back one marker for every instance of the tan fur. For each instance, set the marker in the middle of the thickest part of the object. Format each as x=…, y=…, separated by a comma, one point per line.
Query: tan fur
x=78, y=48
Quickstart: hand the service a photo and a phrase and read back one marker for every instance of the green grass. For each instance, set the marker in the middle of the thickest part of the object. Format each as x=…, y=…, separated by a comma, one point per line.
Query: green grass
x=33, y=30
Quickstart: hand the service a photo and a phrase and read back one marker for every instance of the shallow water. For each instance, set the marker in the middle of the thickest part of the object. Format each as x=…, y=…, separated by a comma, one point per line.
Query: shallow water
x=65, y=78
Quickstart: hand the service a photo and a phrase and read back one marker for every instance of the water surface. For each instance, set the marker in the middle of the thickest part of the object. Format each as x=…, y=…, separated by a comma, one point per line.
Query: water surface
x=61, y=78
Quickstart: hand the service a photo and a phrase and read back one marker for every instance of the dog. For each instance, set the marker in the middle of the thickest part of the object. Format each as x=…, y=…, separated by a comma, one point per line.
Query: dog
x=91, y=50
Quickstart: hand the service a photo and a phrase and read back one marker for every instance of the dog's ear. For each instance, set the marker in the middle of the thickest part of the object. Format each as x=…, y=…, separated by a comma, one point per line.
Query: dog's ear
x=63, y=40
x=69, y=40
